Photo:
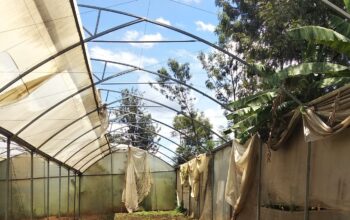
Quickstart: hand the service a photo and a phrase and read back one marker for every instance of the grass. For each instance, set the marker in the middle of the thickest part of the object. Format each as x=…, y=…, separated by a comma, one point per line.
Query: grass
x=148, y=215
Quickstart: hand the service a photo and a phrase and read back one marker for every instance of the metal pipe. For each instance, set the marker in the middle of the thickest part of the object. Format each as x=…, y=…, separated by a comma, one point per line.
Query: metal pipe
x=155, y=142
x=68, y=193
x=75, y=139
x=307, y=182
x=166, y=77
x=143, y=41
x=7, y=213
x=30, y=147
x=59, y=190
x=79, y=197
x=97, y=22
x=116, y=150
x=212, y=186
x=31, y=185
x=80, y=43
x=75, y=195
x=104, y=70
x=112, y=188
x=87, y=162
x=172, y=28
x=91, y=152
x=259, y=181
x=68, y=98
x=337, y=9
x=88, y=144
x=48, y=189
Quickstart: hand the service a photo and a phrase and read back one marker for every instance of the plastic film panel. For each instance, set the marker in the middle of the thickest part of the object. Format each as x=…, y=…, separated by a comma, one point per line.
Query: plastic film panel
x=63, y=138
x=91, y=149
x=55, y=119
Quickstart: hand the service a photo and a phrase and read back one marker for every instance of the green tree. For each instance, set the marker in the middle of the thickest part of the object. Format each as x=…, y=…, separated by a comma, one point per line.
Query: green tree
x=140, y=131
x=196, y=127
x=264, y=112
x=256, y=31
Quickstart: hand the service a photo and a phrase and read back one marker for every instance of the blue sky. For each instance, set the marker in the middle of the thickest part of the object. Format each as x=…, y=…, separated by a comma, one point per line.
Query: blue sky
x=195, y=16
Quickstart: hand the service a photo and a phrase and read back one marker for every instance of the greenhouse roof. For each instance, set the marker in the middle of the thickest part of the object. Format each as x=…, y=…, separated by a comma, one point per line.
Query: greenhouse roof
x=49, y=102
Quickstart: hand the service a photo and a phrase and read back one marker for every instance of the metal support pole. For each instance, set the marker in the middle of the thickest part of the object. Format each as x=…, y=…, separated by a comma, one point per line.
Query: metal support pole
x=7, y=179
x=59, y=190
x=68, y=193
x=75, y=194
x=112, y=188
x=48, y=189
x=259, y=182
x=307, y=185
x=212, y=187
x=79, y=205
x=97, y=22
x=31, y=185
x=189, y=200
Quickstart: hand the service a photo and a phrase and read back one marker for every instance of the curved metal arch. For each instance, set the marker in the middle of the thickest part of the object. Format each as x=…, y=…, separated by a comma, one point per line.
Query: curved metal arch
x=102, y=153
x=171, y=28
x=68, y=98
x=85, y=146
x=75, y=139
x=87, y=114
x=77, y=44
x=99, y=82
x=75, y=153
x=116, y=150
x=81, y=42
x=162, y=123
x=85, y=133
x=168, y=107
x=155, y=142
x=180, y=132
x=167, y=77
x=156, y=133
x=75, y=121
x=91, y=152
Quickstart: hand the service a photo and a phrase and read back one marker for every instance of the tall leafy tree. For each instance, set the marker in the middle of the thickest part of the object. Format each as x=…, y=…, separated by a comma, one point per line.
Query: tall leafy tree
x=264, y=112
x=195, y=125
x=256, y=31
x=139, y=131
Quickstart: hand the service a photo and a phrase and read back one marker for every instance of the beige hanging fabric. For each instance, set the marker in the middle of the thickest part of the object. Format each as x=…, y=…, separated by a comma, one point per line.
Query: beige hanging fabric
x=191, y=172
x=241, y=172
x=327, y=115
x=323, y=117
x=184, y=174
x=138, y=179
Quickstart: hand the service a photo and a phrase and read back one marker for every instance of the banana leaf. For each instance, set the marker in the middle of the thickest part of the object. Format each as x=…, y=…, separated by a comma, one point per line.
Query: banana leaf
x=340, y=25
x=323, y=36
x=259, y=98
x=347, y=5
x=312, y=68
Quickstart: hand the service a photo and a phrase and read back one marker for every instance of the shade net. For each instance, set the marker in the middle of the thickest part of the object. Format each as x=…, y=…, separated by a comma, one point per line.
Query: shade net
x=49, y=100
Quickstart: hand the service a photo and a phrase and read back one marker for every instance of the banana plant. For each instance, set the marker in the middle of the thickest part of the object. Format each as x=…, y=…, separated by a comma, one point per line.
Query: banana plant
x=264, y=112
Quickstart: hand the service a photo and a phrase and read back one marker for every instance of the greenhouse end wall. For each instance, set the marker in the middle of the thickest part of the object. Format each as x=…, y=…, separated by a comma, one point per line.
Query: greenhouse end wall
x=100, y=192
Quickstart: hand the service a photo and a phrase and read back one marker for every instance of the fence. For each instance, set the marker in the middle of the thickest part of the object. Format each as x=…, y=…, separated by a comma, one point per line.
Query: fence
x=299, y=181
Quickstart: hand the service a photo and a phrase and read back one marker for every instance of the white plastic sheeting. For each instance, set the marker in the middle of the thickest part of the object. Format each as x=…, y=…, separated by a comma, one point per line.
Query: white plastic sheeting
x=33, y=32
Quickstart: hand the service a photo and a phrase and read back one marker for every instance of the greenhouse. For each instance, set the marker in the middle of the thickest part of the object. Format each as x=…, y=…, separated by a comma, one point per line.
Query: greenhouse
x=174, y=109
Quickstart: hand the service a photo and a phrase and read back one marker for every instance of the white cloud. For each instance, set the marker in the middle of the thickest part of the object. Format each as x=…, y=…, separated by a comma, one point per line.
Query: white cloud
x=137, y=36
x=122, y=56
x=163, y=21
x=131, y=35
x=201, y=26
x=216, y=117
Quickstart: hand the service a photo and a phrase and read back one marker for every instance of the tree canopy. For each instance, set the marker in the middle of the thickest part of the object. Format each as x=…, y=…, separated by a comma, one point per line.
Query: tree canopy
x=139, y=130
